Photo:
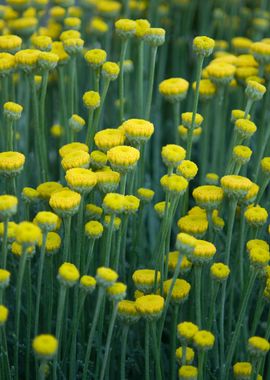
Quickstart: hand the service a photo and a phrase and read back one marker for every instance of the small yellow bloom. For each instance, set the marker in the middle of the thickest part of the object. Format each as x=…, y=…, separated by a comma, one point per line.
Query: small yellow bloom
x=174, y=184
x=116, y=292
x=258, y=346
x=11, y=163
x=125, y=28
x=144, y=279
x=242, y=370
x=12, y=111
x=265, y=165
x=123, y=158
x=145, y=195
x=106, y=277
x=28, y=234
x=76, y=159
x=68, y=274
x=219, y=271
x=188, y=372
x=45, y=346
x=8, y=206
x=109, y=138
x=203, y=45
x=10, y=43
x=180, y=290
x=195, y=225
x=81, y=180
x=204, y=340
x=137, y=130
x=43, y=43
x=207, y=89
x=150, y=306
x=174, y=89
x=172, y=155
x=187, y=169
x=235, y=185
x=92, y=211
x=93, y=229
x=110, y=70
x=256, y=216
x=3, y=314
x=186, y=331
x=95, y=57
x=46, y=220
x=113, y=203
x=141, y=27
x=208, y=196
x=127, y=311
x=189, y=355
x=154, y=36
x=221, y=73
x=88, y=283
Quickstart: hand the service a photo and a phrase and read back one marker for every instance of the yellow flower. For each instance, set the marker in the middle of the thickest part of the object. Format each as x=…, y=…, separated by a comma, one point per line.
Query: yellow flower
x=145, y=195
x=46, y=220
x=46, y=189
x=95, y=57
x=173, y=260
x=154, y=36
x=43, y=43
x=219, y=272
x=261, y=52
x=189, y=355
x=257, y=243
x=258, y=346
x=108, y=8
x=187, y=169
x=81, y=180
x=11, y=229
x=241, y=154
x=238, y=114
x=93, y=229
x=116, y=292
x=255, y=90
x=45, y=346
x=204, y=340
x=183, y=132
x=235, y=185
x=242, y=370
x=98, y=159
x=4, y=278
x=160, y=208
x=174, y=89
x=241, y=44
x=251, y=194
x=131, y=204
x=245, y=128
x=242, y=73
x=28, y=234
x=109, y=138
x=10, y=43
x=113, y=203
x=73, y=45
x=110, y=70
x=186, y=331
x=8, y=206
x=123, y=158
x=98, y=26
x=256, y=216
x=92, y=211
x=69, y=34
x=76, y=159
x=116, y=222
x=3, y=314
x=188, y=372
x=68, y=274
x=144, y=279
x=56, y=130
x=246, y=60
x=11, y=163
x=127, y=311
x=221, y=73
x=7, y=63
x=187, y=120
x=12, y=111
x=125, y=28
x=53, y=243
x=180, y=290
x=203, y=252
x=27, y=59
x=259, y=257
x=107, y=181
x=17, y=249
x=91, y=100
x=203, y=45
x=172, y=155
x=72, y=23
x=69, y=148
x=137, y=130
x=88, y=283
x=65, y=202
x=185, y=243
x=174, y=184
x=58, y=49
x=195, y=225
x=265, y=165
x=141, y=27
x=150, y=306
x=106, y=277
x=208, y=196
x=24, y=26
x=76, y=123
x=207, y=89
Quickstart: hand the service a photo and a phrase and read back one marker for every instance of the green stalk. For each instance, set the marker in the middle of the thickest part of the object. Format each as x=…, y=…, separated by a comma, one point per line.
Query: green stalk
x=96, y=79
x=80, y=216
x=42, y=370
x=4, y=245
x=59, y=324
x=50, y=283
x=101, y=292
x=123, y=183
x=39, y=281
x=10, y=134
x=201, y=358
x=123, y=352
x=63, y=103
x=173, y=341
x=176, y=117
x=236, y=334
x=140, y=97
x=89, y=256
x=67, y=227
x=102, y=100
x=90, y=130
x=124, y=44
x=198, y=285
x=29, y=319
x=44, y=85
x=204, y=152
x=22, y=264
x=262, y=189
x=108, y=341
x=109, y=241
x=248, y=107
x=147, y=351
x=152, y=66
x=4, y=353
x=214, y=292
x=156, y=350
x=259, y=309
x=195, y=105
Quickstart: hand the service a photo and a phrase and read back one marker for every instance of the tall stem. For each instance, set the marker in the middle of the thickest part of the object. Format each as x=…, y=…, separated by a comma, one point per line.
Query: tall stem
x=140, y=97
x=123, y=352
x=67, y=226
x=124, y=45
x=198, y=284
x=4, y=245
x=152, y=66
x=147, y=351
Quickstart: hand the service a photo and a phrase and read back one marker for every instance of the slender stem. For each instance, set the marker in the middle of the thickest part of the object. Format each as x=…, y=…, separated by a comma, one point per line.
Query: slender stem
x=89, y=256
x=44, y=85
x=42, y=370
x=22, y=264
x=198, y=285
x=100, y=296
x=67, y=226
x=96, y=79
x=123, y=183
x=29, y=319
x=152, y=66
x=156, y=350
x=248, y=107
x=123, y=352
x=59, y=324
x=4, y=352
x=140, y=77
x=239, y=324
x=109, y=241
x=108, y=341
x=262, y=189
x=90, y=130
x=124, y=45
x=201, y=357
x=195, y=105
x=176, y=117
x=62, y=93
x=39, y=281
x=4, y=245
x=173, y=341
x=214, y=292
x=80, y=217
x=102, y=100
x=147, y=351
x=10, y=134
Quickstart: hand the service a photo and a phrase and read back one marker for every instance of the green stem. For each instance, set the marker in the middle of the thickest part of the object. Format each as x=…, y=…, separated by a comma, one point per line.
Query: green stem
x=108, y=341
x=152, y=66
x=214, y=293
x=67, y=226
x=4, y=245
x=123, y=352
x=63, y=103
x=10, y=134
x=176, y=117
x=89, y=256
x=140, y=77
x=259, y=310
x=22, y=264
x=248, y=107
x=195, y=105
x=109, y=242
x=147, y=351
x=102, y=100
x=100, y=296
x=236, y=334
x=201, y=357
x=173, y=341
x=44, y=85
x=156, y=350
x=29, y=319
x=124, y=45
x=90, y=130
x=39, y=281
x=42, y=370
x=78, y=251
x=262, y=189
x=96, y=79
x=123, y=183
x=198, y=284
x=4, y=351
